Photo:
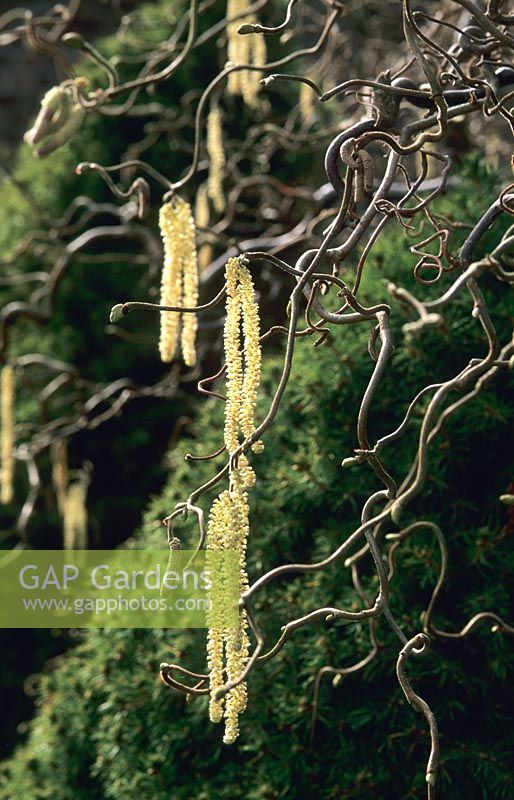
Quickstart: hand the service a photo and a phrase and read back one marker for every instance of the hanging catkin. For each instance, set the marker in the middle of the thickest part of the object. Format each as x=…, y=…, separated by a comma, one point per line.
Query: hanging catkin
x=228, y=648
x=237, y=644
x=202, y=216
x=179, y=285
x=237, y=46
x=202, y=219
x=7, y=392
x=252, y=354
x=216, y=158
x=244, y=49
x=233, y=356
x=171, y=285
x=250, y=85
x=75, y=517
x=190, y=287
x=60, y=473
x=218, y=524
x=243, y=376
x=306, y=104
x=228, y=528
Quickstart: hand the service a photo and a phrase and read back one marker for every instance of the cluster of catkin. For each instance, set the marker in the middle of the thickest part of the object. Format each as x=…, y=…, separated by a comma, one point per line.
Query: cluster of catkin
x=244, y=49
x=179, y=285
x=7, y=423
x=228, y=648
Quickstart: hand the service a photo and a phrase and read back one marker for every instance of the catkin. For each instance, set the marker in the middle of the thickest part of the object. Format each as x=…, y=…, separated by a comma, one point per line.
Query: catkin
x=228, y=528
x=237, y=45
x=243, y=376
x=233, y=356
x=60, y=473
x=250, y=85
x=237, y=644
x=215, y=650
x=75, y=517
x=202, y=216
x=179, y=284
x=7, y=394
x=190, y=295
x=171, y=284
x=218, y=522
x=252, y=352
x=306, y=104
x=216, y=158
x=228, y=648
x=202, y=219
x=244, y=49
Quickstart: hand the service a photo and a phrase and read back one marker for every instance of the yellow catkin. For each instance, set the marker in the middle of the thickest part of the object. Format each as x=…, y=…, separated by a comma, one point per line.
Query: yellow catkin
x=306, y=104
x=190, y=287
x=202, y=215
x=7, y=395
x=171, y=284
x=238, y=47
x=233, y=355
x=215, y=649
x=237, y=644
x=202, y=219
x=243, y=375
x=257, y=55
x=60, y=473
x=179, y=286
x=252, y=352
x=244, y=49
x=228, y=649
x=75, y=517
x=259, y=52
x=205, y=256
x=218, y=522
x=216, y=158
